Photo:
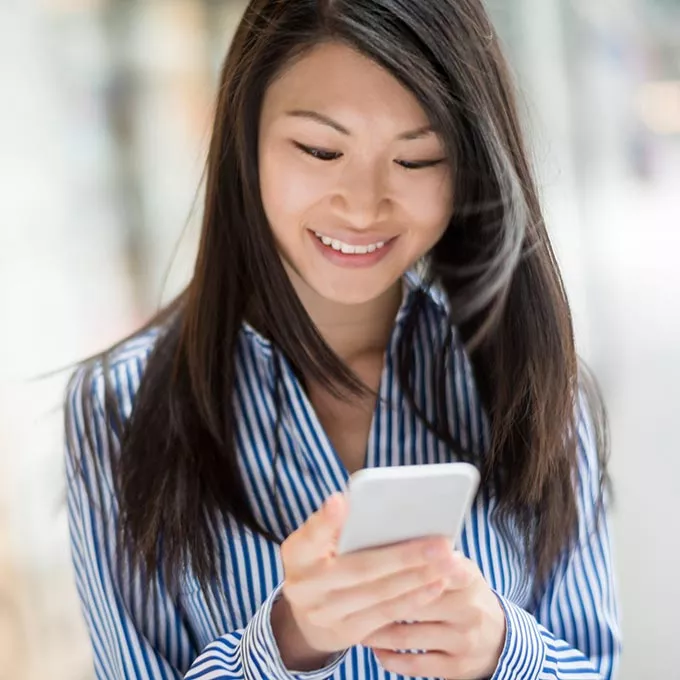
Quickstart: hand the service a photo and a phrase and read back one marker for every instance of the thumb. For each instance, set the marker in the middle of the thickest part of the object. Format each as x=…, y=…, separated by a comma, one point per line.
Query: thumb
x=326, y=524
x=322, y=530
x=335, y=512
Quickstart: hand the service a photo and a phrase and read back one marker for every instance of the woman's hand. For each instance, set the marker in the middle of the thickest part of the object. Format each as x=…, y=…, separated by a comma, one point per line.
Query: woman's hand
x=462, y=631
x=332, y=602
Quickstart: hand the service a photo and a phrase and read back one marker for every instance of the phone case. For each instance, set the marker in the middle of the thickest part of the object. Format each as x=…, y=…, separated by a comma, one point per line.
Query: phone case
x=390, y=505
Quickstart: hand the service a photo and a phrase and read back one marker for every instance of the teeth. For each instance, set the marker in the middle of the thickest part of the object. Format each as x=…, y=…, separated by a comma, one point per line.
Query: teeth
x=346, y=248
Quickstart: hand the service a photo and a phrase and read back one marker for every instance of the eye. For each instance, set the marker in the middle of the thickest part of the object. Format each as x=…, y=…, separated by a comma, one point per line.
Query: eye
x=319, y=154
x=419, y=165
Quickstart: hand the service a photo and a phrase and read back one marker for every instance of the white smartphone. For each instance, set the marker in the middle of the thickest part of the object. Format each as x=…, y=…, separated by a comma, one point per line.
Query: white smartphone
x=393, y=504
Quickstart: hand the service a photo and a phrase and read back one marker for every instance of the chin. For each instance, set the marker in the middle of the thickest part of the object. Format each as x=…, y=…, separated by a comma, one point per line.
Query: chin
x=343, y=286
x=351, y=289
x=349, y=297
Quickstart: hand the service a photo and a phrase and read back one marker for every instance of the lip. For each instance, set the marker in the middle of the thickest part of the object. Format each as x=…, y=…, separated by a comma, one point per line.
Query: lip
x=341, y=259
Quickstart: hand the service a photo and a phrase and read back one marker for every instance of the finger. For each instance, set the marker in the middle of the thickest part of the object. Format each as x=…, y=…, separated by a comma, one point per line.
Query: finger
x=372, y=565
x=464, y=573
x=462, y=586
x=450, y=607
x=398, y=609
x=431, y=637
x=316, y=538
x=343, y=603
x=430, y=665
x=460, y=608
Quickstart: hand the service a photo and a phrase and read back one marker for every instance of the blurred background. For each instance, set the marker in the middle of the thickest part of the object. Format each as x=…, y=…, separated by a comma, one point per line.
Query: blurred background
x=104, y=121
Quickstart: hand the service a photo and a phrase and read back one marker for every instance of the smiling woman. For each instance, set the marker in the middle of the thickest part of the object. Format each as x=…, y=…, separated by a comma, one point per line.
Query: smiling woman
x=374, y=287
x=363, y=170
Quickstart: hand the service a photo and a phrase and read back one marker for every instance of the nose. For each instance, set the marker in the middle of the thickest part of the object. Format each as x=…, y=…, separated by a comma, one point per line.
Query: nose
x=361, y=197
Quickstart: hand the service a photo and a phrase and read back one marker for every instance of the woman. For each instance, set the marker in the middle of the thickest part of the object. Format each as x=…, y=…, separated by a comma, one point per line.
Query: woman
x=374, y=287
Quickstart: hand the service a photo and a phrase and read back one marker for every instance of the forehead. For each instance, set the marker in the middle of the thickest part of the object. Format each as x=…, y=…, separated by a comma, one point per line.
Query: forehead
x=335, y=79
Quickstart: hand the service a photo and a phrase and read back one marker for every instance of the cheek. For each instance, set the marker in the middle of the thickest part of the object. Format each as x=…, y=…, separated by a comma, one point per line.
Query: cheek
x=431, y=207
x=289, y=190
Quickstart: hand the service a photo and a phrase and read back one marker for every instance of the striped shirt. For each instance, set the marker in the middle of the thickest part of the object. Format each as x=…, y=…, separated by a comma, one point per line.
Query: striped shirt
x=569, y=630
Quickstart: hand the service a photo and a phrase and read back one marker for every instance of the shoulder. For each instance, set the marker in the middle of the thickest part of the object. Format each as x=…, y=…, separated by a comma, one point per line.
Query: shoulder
x=101, y=393
x=120, y=370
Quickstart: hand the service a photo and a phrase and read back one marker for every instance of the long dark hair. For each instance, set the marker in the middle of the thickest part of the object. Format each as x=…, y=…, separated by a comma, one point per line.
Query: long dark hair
x=177, y=464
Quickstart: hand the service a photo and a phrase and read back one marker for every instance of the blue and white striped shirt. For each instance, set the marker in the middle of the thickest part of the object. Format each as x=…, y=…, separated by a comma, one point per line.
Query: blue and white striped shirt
x=570, y=631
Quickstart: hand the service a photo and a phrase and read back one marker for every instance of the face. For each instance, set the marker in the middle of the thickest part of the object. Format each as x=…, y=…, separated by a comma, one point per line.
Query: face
x=355, y=185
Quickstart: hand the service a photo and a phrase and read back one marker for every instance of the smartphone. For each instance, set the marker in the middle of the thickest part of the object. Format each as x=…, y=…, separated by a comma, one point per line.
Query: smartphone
x=392, y=504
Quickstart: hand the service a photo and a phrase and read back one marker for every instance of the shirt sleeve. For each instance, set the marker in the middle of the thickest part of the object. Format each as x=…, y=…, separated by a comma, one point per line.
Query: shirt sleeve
x=573, y=632
x=135, y=631
x=259, y=653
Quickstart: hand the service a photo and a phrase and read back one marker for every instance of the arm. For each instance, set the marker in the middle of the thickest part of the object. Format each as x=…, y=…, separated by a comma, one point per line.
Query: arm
x=574, y=631
x=137, y=632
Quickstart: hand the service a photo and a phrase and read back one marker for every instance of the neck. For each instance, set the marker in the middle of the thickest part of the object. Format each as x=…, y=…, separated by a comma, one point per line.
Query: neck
x=353, y=331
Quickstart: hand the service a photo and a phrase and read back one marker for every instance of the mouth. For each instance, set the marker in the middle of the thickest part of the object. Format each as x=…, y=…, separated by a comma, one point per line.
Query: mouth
x=347, y=248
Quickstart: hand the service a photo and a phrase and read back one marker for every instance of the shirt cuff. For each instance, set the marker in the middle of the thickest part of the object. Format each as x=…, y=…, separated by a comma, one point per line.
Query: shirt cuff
x=524, y=651
x=261, y=655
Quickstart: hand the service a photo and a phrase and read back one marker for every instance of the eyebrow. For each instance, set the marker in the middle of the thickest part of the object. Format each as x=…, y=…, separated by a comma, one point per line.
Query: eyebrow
x=418, y=133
